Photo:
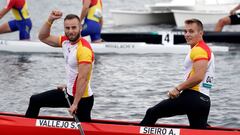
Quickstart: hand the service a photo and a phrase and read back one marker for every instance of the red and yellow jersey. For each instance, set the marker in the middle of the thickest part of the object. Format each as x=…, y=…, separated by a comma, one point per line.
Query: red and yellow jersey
x=19, y=9
x=95, y=10
x=200, y=52
x=75, y=54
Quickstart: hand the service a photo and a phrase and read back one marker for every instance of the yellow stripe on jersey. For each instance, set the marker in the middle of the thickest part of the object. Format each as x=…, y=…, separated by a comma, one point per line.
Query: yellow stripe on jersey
x=22, y=13
x=84, y=54
x=86, y=93
x=196, y=88
x=198, y=53
x=95, y=12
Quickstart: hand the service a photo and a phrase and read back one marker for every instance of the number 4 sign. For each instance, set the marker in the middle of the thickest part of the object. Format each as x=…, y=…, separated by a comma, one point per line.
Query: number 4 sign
x=167, y=38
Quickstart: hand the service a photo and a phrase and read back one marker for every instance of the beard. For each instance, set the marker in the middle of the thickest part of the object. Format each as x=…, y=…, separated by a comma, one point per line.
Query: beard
x=71, y=38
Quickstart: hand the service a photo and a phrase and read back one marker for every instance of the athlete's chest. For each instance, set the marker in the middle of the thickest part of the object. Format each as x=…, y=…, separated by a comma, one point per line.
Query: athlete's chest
x=187, y=62
x=70, y=54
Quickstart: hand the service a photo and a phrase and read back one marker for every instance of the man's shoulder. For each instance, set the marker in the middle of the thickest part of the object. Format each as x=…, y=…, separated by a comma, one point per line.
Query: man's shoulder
x=15, y=3
x=63, y=39
x=201, y=51
x=10, y=4
x=85, y=43
x=204, y=46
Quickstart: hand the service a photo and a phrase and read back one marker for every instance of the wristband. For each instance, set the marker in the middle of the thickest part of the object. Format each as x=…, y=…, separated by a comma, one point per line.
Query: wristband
x=49, y=23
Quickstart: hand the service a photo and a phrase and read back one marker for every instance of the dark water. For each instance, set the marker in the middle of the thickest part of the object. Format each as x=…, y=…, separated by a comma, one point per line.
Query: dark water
x=124, y=85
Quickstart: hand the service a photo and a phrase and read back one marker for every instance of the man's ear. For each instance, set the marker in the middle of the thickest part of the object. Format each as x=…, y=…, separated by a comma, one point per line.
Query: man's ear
x=80, y=27
x=201, y=32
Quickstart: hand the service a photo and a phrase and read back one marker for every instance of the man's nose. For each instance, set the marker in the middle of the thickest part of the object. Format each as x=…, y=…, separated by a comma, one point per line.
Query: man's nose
x=70, y=30
x=186, y=34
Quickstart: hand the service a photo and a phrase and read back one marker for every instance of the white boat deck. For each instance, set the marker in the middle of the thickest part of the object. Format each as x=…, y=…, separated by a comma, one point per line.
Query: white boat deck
x=103, y=48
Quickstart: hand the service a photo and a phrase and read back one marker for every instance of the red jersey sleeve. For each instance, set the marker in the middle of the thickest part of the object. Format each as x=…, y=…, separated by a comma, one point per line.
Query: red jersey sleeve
x=62, y=39
x=10, y=4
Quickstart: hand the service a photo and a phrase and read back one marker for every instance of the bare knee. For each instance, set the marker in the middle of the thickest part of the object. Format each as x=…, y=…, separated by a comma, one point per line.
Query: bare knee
x=98, y=41
x=150, y=112
x=34, y=100
x=4, y=28
x=221, y=23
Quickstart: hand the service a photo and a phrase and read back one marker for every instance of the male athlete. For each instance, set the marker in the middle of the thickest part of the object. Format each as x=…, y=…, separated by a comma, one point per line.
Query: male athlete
x=79, y=59
x=93, y=20
x=22, y=21
x=191, y=97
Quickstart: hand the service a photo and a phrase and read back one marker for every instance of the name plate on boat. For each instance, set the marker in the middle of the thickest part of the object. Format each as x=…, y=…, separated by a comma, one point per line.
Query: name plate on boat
x=56, y=124
x=120, y=45
x=159, y=131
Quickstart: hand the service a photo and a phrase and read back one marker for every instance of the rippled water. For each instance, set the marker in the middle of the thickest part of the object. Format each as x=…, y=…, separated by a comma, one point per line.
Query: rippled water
x=124, y=85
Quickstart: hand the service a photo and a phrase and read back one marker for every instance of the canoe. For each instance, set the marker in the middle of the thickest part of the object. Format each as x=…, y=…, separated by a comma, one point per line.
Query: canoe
x=172, y=5
x=12, y=124
x=102, y=48
x=176, y=34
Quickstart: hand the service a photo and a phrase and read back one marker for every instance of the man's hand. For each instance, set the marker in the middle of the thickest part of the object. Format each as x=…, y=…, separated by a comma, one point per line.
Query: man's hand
x=73, y=109
x=54, y=15
x=62, y=87
x=232, y=12
x=174, y=93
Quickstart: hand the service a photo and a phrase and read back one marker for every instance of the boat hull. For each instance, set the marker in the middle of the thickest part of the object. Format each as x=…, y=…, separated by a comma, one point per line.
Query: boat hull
x=207, y=17
x=102, y=48
x=191, y=5
x=11, y=124
x=121, y=17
